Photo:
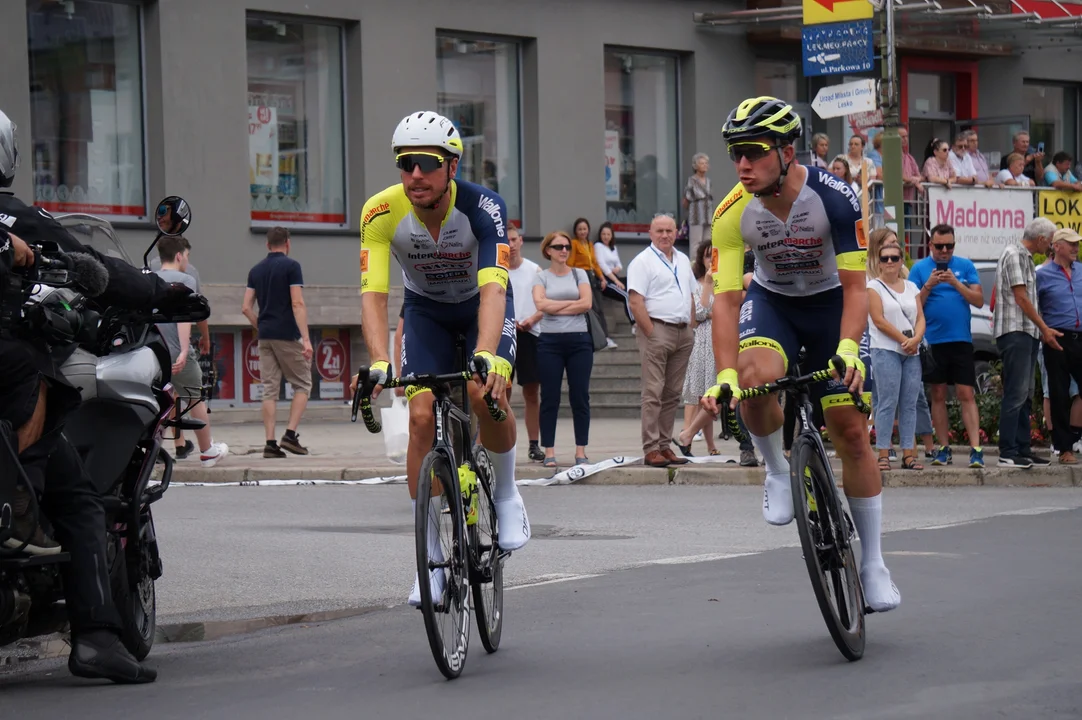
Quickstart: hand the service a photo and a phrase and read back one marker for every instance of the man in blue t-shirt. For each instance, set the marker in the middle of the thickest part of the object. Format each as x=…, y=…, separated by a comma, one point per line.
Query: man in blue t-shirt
x=949, y=285
x=284, y=346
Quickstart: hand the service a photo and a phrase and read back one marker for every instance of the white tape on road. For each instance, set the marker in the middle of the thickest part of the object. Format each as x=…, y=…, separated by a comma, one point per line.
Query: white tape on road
x=578, y=472
x=384, y=480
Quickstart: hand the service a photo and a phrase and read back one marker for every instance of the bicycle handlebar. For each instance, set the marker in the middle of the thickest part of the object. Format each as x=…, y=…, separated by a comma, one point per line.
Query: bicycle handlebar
x=362, y=397
x=780, y=385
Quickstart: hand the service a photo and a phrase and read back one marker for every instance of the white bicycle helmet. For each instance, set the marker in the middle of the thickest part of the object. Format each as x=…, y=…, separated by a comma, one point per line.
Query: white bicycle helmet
x=427, y=129
x=9, y=151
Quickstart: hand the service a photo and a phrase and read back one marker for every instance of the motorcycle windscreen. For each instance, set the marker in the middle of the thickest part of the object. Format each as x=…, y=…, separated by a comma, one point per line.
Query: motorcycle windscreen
x=95, y=233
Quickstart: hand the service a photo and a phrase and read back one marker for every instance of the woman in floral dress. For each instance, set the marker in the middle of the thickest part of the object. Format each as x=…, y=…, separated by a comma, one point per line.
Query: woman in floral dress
x=701, y=372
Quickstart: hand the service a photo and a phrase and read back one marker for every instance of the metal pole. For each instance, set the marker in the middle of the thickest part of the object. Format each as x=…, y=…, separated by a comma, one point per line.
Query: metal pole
x=892, y=144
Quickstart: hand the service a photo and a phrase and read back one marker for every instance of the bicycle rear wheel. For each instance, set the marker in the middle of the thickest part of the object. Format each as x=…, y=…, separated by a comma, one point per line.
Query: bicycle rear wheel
x=447, y=618
x=825, y=536
x=486, y=576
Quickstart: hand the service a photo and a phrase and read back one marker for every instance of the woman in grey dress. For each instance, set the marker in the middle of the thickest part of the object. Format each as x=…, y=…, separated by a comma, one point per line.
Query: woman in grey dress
x=701, y=372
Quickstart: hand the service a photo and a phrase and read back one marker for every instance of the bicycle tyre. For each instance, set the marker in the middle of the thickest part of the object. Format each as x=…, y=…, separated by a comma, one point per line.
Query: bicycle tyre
x=828, y=551
x=486, y=577
x=448, y=648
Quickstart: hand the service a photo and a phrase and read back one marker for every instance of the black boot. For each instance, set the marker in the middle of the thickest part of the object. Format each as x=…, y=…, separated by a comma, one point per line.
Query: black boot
x=26, y=530
x=100, y=655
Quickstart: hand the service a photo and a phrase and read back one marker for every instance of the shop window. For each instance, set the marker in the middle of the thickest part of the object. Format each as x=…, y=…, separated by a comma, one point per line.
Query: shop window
x=641, y=146
x=478, y=85
x=85, y=148
x=296, y=137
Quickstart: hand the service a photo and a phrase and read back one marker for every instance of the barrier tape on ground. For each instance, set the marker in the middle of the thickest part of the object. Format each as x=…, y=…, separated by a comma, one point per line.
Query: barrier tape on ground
x=578, y=472
x=565, y=477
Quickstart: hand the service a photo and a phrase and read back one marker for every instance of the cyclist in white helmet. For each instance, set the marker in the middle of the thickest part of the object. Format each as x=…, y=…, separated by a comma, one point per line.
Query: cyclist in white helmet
x=449, y=237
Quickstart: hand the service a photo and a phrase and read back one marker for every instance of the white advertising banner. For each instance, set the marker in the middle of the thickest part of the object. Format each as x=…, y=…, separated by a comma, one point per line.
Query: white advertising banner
x=985, y=220
x=612, y=165
x=263, y=149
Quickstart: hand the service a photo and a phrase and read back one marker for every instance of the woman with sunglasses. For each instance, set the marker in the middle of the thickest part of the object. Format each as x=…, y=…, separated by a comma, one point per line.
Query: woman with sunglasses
x=896, y=326
x=563, y=294
x=937, y=164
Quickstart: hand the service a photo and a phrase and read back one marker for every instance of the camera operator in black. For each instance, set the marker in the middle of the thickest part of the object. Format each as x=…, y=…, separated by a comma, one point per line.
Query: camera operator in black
x=34, y=402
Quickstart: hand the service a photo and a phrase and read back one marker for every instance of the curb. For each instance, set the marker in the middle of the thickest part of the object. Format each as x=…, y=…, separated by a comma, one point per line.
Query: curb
x=1052, y=476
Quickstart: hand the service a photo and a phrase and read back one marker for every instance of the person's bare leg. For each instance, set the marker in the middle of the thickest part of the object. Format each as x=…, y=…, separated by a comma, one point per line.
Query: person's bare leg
x=938, y=405
x=971, y=417
x=269, y=408
x=31, y=431
x=296, y=410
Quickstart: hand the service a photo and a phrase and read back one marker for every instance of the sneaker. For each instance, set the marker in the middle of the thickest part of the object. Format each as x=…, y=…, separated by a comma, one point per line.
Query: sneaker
x=1036, y=459
x=24, y=529
x=944, y=456
x=183, y=451
x=892, y=455
x=536, y=453
x=271, y=450
x=748, y=459
x=1078, y=446
x=976, y=457
x=292, y=443
x=610, y=344
x=213, y=454
x=698, y=437
x=1016, y=462
x=778, y=500
x=512, y=523
x=437, y=580
x=929, y=455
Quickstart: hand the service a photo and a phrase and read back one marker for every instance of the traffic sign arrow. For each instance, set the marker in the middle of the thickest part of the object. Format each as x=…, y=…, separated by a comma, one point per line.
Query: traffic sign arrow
x=846, y=99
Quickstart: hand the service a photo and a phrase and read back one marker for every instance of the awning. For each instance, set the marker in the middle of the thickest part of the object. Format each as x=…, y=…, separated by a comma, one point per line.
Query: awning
x=995, y=27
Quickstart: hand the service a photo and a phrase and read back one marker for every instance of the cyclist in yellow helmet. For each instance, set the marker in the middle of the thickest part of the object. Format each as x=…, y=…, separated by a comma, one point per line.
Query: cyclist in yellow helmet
x=809, y=290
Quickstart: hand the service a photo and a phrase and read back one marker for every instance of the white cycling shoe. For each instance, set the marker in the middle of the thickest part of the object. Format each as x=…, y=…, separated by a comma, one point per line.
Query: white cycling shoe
x=438, y=583
x=777, y=500
x=513, y=524
x=880, y=592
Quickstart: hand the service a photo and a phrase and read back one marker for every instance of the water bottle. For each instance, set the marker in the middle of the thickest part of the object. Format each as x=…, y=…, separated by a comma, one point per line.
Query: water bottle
x=467, y=481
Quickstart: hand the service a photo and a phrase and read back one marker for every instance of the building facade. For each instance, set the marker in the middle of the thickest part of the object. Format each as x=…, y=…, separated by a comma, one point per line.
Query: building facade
x=120, y=103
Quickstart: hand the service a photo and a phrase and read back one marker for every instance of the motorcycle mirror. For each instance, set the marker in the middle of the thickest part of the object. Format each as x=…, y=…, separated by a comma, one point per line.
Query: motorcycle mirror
x=172, y=215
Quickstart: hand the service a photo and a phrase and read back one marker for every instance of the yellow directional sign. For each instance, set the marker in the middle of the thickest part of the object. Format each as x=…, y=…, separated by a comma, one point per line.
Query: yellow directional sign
x=833, y=11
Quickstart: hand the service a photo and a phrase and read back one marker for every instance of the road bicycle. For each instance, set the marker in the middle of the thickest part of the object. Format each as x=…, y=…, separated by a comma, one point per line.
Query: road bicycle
x=467, y=530
x=823, y=522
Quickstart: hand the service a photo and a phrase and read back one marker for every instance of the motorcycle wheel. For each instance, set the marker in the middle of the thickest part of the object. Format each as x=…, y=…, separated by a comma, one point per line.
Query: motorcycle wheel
x=136, y=602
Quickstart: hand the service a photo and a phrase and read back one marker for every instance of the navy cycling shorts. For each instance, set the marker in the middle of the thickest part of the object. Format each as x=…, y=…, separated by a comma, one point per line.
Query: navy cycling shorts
x=786, y=324
x=429, y=329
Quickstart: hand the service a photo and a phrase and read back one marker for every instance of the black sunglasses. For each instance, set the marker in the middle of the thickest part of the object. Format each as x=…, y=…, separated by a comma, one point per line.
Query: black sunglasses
x=426, y=161
x=753, y=151
x=559, y=247
x=890, y=258
x=943, y=246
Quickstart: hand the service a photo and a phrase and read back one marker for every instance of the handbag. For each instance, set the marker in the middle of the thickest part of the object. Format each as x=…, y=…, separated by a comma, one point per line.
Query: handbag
x=593, y=322
x=927, y=361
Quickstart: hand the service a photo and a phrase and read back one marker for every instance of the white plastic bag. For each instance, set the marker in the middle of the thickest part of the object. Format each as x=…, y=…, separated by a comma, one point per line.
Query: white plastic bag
x=396, y=429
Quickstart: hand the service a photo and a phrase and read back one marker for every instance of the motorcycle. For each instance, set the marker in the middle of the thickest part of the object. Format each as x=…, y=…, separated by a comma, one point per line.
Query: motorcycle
x=121, y=366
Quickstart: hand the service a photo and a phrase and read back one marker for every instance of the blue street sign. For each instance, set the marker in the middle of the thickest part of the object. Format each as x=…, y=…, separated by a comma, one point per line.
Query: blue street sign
x=838, y=48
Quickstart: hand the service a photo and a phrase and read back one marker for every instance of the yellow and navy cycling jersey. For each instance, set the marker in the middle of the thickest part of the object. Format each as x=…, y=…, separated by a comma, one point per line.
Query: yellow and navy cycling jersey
x=471, y=250
x=799, y=257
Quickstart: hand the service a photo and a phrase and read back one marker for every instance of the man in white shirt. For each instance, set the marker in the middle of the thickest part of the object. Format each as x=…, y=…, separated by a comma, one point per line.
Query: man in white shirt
x=980, y=164
x=527, y=317
x=660, y=285
x=962, y=162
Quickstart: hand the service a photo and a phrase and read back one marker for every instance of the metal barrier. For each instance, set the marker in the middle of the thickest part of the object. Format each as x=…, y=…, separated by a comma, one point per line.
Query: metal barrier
x=916, y=214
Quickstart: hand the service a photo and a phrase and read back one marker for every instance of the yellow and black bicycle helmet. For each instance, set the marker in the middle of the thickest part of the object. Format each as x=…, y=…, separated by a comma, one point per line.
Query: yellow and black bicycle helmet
x=762, y=116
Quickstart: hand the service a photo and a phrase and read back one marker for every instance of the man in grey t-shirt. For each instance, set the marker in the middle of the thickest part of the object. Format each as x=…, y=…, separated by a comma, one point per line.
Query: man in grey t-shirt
x=187, y=377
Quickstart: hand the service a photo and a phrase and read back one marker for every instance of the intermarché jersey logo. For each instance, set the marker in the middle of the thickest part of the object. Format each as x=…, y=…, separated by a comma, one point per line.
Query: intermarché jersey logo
x=380, y=209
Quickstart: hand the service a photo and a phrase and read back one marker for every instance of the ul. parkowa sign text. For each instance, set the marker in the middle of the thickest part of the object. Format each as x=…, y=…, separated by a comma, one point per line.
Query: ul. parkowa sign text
x=985, y=221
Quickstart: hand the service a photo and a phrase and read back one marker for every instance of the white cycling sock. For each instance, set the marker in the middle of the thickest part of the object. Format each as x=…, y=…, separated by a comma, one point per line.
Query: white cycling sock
x=771, y=447
x=868, y=517
x=435, y=550
x=503, y=467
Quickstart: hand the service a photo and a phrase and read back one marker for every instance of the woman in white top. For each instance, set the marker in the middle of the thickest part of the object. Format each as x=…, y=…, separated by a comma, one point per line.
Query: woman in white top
x=608, y=258
x=1013, y=174
x=896, y=327
x=859, y=164
x=839, y=167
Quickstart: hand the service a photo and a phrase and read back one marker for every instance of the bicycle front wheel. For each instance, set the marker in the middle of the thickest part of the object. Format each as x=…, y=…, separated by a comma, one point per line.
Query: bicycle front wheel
x=486, y=577
x=442, y=573
x=825, y=531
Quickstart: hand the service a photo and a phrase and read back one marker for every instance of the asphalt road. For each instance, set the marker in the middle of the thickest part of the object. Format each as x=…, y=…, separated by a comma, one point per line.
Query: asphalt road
x=618, y=611
x=988, y=628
